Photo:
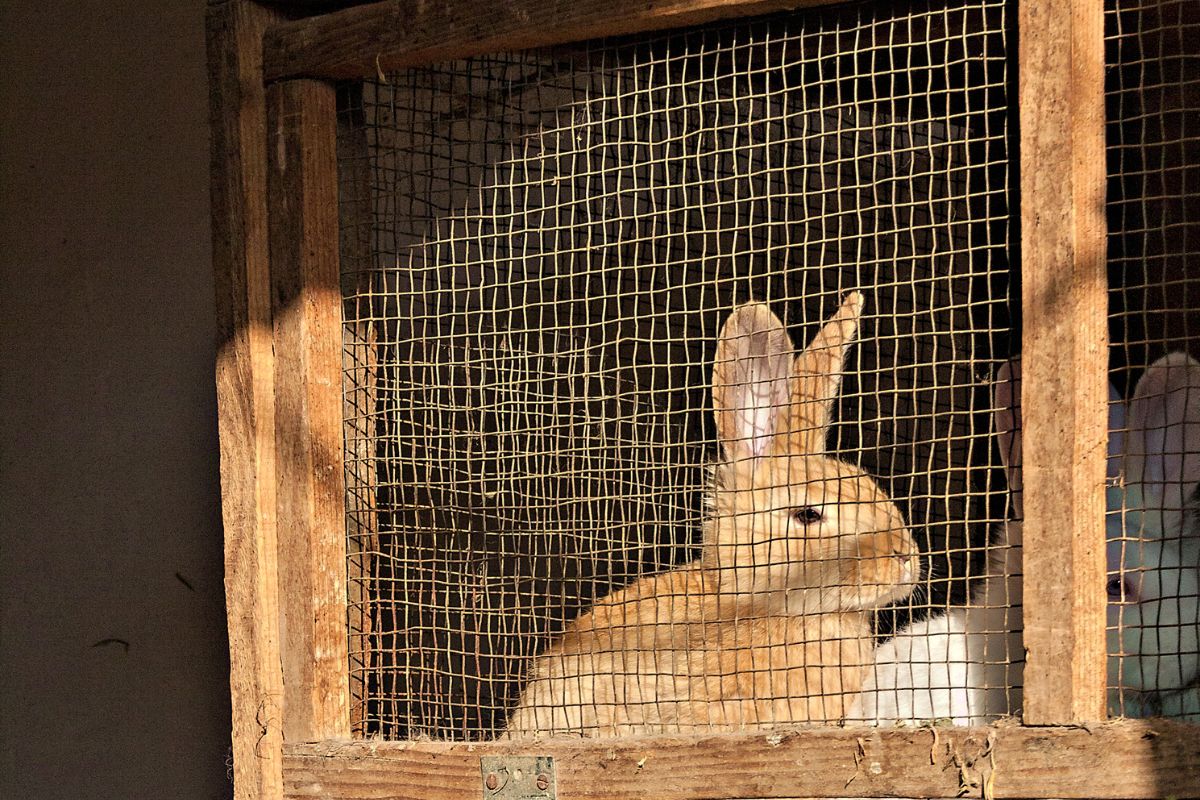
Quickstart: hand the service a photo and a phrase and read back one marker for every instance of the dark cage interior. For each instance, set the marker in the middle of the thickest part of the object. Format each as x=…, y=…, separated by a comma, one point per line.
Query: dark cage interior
x=538, y=251
x=1153, y=99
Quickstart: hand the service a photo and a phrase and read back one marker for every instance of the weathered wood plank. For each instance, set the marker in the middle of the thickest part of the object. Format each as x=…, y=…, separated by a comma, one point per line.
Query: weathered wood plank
x=361, y=364
x=1122, y=759
x=245, y=390
x=362, y=520
x=308, y=6
x=311, y=487
x=1065, y=357
x=303, y=6
x=366, y=40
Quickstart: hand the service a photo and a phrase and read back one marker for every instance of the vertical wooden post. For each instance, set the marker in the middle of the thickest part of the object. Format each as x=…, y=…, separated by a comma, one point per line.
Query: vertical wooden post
x=1065, y=356
x=355, y=219
x=311, y=495
x=245, y=391
x=362, y=549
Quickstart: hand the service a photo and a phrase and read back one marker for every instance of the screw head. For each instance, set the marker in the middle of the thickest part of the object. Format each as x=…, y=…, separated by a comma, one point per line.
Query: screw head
x=543, y=781
x=492, y=780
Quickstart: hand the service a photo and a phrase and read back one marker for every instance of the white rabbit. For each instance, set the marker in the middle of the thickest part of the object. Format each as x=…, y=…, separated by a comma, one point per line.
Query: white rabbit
x=966, y=666
x=1154, y=548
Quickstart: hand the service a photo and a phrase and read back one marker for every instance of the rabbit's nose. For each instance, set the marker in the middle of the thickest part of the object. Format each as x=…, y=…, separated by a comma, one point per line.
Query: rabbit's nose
x=902, y=551
x=901, y=547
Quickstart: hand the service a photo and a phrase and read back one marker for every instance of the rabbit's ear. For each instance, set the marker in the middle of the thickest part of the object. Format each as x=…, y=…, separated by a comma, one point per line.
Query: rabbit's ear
x=1164, y=435
x=818, y=377
x=1006, y=400
x=751, y=380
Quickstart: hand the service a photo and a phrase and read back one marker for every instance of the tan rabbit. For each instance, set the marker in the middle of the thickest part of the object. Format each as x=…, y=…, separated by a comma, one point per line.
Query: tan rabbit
x=770, y=624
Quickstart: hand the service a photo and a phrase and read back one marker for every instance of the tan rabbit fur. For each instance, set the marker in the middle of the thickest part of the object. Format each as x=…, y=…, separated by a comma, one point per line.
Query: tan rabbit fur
x=770, y=624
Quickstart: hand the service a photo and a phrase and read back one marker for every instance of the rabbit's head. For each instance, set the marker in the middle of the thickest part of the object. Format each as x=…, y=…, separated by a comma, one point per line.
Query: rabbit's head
x=790, y=524
x=1153, y=535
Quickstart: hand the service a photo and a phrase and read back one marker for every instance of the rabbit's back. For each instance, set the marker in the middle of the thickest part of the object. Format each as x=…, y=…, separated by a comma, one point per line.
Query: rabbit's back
x=604, y=673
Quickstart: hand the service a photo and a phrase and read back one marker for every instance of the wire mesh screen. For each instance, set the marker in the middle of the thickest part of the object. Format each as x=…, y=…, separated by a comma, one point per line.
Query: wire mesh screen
x=542, y=256
x=1153, y=108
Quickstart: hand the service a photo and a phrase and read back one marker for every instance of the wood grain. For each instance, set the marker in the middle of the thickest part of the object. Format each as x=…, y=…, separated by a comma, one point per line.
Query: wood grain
x=311, y=486
x=360, y=362
x=245, y=391
x=1065, y=357
x=1123, y=759
x=367, y=40
x=362, y=518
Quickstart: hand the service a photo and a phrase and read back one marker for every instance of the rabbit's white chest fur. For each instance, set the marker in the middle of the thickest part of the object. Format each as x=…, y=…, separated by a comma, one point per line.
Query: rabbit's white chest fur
x=964, y=667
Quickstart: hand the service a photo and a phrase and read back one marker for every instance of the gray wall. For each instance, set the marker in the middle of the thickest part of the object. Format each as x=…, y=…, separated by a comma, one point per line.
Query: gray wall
x=108, y=451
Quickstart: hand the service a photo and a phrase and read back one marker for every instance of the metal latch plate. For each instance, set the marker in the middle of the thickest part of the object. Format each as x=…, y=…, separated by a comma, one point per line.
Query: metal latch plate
x=518, y=778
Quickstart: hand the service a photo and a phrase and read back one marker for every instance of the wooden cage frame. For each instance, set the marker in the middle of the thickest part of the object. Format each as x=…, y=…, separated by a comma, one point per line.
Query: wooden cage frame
x=279, y=383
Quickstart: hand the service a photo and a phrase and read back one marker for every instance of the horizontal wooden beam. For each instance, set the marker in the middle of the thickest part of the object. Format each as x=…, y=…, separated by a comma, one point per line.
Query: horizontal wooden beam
x=299, y=6
x=367, y=40
x=1120, y=759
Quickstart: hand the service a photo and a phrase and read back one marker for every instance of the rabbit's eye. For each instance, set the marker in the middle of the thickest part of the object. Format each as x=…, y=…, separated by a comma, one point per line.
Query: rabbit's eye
x=1122, y=591
x=807, y=515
